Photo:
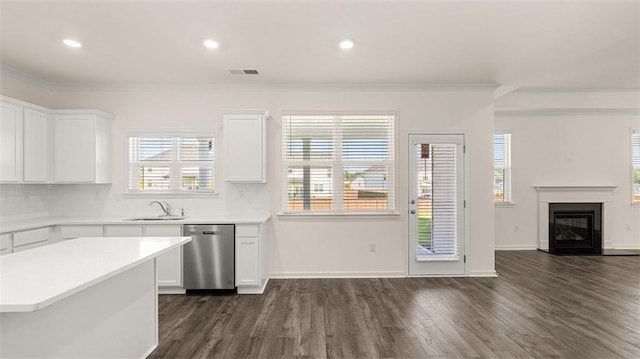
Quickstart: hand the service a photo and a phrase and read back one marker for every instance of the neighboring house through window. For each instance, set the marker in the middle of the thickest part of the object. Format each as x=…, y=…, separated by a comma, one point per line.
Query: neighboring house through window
x=502, y=187
x=635, y=166
x=171, y=163
x=358, y=148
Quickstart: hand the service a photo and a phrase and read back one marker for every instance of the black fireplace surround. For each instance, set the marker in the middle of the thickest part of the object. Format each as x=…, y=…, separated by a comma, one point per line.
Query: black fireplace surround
x=575, y=228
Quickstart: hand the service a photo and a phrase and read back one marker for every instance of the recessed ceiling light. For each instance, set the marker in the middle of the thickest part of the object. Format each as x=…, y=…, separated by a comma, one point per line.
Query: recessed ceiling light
x=72, y=43
x=211, y=44
x=346, y=44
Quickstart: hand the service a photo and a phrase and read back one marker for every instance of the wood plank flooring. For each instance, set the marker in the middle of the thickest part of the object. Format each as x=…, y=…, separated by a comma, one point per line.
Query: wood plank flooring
x=541, y=306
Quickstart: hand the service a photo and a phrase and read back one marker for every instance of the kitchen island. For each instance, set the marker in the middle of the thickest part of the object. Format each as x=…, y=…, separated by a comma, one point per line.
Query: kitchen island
x=88, y=297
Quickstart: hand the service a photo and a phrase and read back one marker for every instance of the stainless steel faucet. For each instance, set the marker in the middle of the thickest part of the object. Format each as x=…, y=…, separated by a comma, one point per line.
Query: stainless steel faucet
x=166, y=208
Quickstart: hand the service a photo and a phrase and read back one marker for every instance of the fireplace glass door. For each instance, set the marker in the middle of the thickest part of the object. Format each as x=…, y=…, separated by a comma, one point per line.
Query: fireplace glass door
x=575, y=228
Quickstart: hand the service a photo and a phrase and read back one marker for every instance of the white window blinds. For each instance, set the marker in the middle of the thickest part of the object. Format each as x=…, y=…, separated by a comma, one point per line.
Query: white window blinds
x=438, y=182
x=635, y=165
x=502, y=167
x=171, y=163
x=338, y=163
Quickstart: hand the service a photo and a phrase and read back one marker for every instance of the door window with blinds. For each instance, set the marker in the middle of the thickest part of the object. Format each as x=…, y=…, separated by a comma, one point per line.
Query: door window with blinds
x=436, y=204
x=338, y=163
x=635, y=166
x=171, y=163
x=502, y=192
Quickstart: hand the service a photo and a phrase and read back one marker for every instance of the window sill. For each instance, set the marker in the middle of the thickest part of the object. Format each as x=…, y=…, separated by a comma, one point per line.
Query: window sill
x=325, y=215
x=635, y=204
x=504, y=204
x=171, y=194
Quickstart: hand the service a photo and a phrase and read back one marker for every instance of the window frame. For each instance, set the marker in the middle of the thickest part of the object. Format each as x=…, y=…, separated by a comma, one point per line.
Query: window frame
x=337, y=164
x=633, y=168
x=175, y=165
x=507, y=175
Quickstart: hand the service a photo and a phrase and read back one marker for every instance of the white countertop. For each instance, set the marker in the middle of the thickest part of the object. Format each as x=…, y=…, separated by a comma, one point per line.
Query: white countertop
x=33, y=279
x=20, y=225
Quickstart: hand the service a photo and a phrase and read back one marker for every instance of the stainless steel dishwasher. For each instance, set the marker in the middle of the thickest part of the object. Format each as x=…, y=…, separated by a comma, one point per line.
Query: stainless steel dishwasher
x=209, y=259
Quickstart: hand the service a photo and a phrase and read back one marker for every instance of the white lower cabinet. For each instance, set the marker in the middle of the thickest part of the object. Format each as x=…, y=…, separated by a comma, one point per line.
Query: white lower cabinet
x=30, y=239
x=251, y=247
x=71, y=232
x=251, y=258
x=168, y=265
x=122, y=231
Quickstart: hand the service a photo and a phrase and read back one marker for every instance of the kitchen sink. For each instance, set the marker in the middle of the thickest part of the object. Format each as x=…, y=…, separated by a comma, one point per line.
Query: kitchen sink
x=159, y=218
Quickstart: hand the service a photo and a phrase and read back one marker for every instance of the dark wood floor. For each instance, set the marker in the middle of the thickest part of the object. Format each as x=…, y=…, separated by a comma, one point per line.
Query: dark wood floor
x=541, y=306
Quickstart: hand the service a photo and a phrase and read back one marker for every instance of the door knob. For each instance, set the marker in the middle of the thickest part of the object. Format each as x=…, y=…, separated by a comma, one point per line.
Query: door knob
x=413, y=211
x=413, y=201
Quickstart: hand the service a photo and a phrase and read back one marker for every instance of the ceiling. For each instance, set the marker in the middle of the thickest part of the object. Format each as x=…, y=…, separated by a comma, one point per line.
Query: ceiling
x=551, y=44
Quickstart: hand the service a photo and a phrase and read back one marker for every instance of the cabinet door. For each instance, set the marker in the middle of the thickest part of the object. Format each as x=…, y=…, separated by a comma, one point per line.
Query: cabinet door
x=30, y=239
x=247, y=255
x=244, y=139
x=74, y=141
x=168, y=265
x=104, y=150
x=10, y=142
x=123, y=231
x=36, y=145
x=70, y=232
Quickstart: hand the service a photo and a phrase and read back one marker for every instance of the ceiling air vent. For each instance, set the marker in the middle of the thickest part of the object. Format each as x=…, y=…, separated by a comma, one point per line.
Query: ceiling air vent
x=243, y=72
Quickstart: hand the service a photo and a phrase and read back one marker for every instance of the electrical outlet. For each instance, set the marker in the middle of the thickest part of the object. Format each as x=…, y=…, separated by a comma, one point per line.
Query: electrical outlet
x=372, y=247
x=628, y=227
x=516, y=228
x=241, y=194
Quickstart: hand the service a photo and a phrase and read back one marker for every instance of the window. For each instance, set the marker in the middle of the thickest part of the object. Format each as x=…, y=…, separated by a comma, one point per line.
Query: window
x=338, y=163
x=171, y=163
x=635, y=166
x=502, y=167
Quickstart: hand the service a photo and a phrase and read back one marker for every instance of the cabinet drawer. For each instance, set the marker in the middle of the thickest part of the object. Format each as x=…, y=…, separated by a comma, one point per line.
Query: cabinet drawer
x=69, y=232
x=162, y=231
x=30, y=237
x=123, y=231
x=247, y=230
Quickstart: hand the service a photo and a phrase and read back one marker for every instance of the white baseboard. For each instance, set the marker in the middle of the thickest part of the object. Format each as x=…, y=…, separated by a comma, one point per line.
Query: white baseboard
x=394, y=274
x=253, y=289
x=329, y=274
x=483, y=273
x=626, y=247
x=515, y=247
x=171, y=290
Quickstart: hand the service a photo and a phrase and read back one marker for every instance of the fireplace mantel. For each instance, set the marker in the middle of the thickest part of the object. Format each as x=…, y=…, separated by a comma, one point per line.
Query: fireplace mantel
x=573, y=194
x=540, y=189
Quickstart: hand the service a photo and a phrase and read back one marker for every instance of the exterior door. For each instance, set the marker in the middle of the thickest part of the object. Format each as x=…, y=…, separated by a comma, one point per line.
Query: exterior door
x=436, y=204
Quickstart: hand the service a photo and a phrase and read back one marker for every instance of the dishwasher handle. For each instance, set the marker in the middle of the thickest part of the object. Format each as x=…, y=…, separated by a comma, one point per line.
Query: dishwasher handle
x=209, y=232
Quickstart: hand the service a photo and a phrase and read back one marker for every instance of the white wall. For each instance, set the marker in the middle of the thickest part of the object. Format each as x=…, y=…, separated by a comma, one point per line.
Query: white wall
x=575, y=148
x=331, y=246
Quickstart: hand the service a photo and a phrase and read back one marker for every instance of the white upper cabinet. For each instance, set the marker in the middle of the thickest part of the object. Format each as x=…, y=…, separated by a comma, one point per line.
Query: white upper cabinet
x=11, y=130
x=37, y=146
x=82, y=146
x=245, y=146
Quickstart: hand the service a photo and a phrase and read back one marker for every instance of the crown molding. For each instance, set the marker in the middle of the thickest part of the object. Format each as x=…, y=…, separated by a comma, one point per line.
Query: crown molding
x=62, y=86
x=23, y=76
x=567, y=112
x=550, y=90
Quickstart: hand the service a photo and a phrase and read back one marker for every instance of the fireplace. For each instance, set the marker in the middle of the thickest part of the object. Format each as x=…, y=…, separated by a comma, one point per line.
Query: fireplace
x=575, y=228
x=601, y=195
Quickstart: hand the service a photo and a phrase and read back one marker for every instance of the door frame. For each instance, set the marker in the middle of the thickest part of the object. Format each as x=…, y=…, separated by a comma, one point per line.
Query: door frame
x=465, y=189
